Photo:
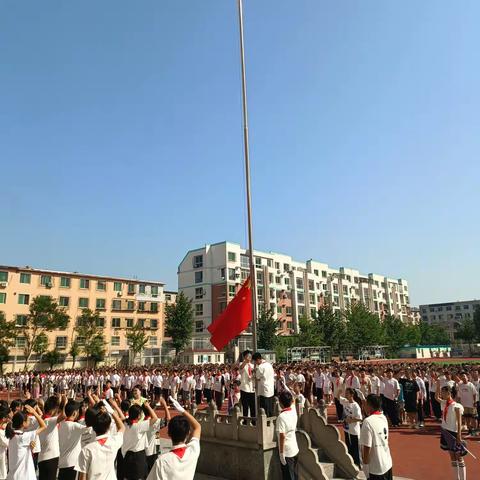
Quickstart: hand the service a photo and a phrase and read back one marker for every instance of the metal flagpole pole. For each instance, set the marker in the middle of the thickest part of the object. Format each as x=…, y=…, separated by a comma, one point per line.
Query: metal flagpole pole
x=253, y=279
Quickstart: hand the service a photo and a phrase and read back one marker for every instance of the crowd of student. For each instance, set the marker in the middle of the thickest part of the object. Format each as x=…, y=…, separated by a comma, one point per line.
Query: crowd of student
x=112, y=432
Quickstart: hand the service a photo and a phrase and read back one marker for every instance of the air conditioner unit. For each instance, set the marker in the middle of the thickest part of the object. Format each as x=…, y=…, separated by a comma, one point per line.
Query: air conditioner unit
x=279, y=272
x=119, y=294
x=3, y=284
x=48, y=285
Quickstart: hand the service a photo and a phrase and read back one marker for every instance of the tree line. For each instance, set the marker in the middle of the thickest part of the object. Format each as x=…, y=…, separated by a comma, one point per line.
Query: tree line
x=356, y=328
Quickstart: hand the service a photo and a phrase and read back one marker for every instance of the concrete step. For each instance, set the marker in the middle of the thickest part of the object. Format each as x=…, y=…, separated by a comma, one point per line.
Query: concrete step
x=328, y=468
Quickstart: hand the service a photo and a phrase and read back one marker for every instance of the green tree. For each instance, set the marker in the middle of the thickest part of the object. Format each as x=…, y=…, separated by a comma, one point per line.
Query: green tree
x=266, y=329
x=394, y=334
x=74, y=351
x=179, y=322
x=44, y=316
x=466, y=332
x=310, y=335
x=433, y=335
x=331, y=327
x=137, y=339
x=41, y=345
x=363, y=327
x=7, y=339
x=476, y=321
x=52, y=357
x=89, y=328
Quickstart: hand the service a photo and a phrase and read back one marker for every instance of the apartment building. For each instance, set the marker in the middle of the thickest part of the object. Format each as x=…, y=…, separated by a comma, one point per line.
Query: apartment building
x=122, y=302
x=211, y=276
x=449, y=315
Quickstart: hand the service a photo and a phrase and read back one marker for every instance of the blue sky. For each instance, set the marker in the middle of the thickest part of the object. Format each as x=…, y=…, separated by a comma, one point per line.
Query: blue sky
x=121, y=139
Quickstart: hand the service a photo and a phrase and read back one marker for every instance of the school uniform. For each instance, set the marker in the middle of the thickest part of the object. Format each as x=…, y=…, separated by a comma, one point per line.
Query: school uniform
x=352, y=430
x=151, y=448
x=218, y=386
x=199, y=385
x=448, y=437
x=287, y=424
x=50, y=450
x=247, y=390
x=20, y=460
x=467, y=394
x=391, y=387
x=178, y=464
x=133, y=450
x=3, y=454
x=97, y=459
x=69, y=435
x=337, y=383
x=265, y=376
x=374, y=434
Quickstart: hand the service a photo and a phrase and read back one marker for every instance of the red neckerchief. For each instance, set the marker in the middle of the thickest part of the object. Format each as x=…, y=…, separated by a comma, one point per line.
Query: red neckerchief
x=133, y=422
x=350, y=380
x=445, y=410
x=338, y=381
x=376, y=412
x=102, y=441
x=249, y=370
x=47, y=416
x=286, y=409
x=179, y=452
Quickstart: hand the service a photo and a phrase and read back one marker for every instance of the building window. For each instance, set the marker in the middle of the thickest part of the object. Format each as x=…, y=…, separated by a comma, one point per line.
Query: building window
x=312, y=298
x=199, y=326
x=3, y=276
x=154, y=290
x=198, y=277
x=141, y=288
x=289, y=311
x=231, y=290
x=100, y=304
x=301, y=310
x=154, y=307
x=129, y=322
x=116, y=323
x=46, y=280
x=153, y=341
x=141, y=306
x=244, y=261
x=199, y=309
x=20, y=342
x=287, y=281
x=64, y=301
x=168, y=297
x=324, y=274
x=299, y=282
x=23, y=299
x=301, y=297
x=259, y=278
x=279, y=309
x=83, y=302
x=115, y=341
x=130, y=305
x=116, y=304
x=21, y=320
x=290, y=325
x=141, y=322
x=84, y=283
x=231, y=274
x=153, y=323
x=65, y=282
x=198, y=293
x=258, y=262
x=198, y=261
x=61, y=343
x=102, y=285
x=465, y=307
x=232, y=257
x=117, y=286
x=3, y=297
x=100, y=322
x=24, y=278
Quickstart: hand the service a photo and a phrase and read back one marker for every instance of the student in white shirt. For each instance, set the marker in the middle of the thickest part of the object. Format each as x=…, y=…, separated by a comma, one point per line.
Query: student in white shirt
x=286, y=428
x=376, y=458
x=20, y=460
x=352, y=417
x=4, y=419
x=179, y=463
x=69, y=436
x=266, y=379
x=467, y=395
x=451, y=433
x=135, y=442
x=97, y=458
x=49, y=445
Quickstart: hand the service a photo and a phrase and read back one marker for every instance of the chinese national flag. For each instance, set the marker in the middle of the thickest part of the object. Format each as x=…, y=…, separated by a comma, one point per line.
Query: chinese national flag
x=234, y=319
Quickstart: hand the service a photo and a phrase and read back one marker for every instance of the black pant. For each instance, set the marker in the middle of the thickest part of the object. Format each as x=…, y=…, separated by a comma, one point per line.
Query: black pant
x=47, y=469
x=67, y=473
x=352, y=446
x=218, y=399
x=392, y=411
x=339, y=409
x=198, y=396
x=420, y=412
x=384, y=476
x=248, y=403
x=437, y=409
x=208, y=395
x=267, y=404
x=290, y=470
x=426, y=402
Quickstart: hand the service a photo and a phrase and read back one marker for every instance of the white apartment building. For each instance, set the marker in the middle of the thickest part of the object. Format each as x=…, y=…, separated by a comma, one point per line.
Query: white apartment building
x=449, y=315
x=211, y=275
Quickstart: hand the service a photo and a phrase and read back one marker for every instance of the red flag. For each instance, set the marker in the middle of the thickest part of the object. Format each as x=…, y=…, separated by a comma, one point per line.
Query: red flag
x=234, y=319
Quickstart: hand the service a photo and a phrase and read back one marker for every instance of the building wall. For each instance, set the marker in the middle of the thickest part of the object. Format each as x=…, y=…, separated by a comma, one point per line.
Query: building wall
x=211, y=275
x=449, y=315
x=121, y=303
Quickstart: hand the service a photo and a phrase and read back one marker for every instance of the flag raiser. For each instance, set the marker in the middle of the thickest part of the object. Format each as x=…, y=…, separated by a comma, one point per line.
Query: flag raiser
x=234, y=319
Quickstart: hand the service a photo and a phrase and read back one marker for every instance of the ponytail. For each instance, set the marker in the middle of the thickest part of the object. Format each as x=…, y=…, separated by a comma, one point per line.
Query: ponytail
x=17, y=422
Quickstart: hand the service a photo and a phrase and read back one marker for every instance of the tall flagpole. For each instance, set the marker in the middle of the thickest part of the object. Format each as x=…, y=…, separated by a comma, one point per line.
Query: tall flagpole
x=253, y=278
